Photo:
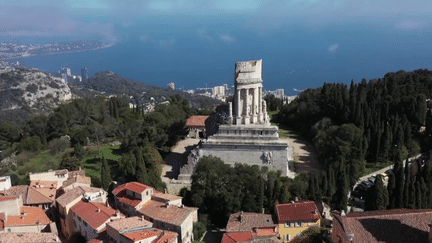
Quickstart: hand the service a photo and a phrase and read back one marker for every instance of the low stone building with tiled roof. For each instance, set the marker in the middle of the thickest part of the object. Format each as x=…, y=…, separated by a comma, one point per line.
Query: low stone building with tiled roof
x=197, y=126
x=394, y=225
x=58, y=176
x=251, y=222
x=295, y=217
x=163, y=210
x=30, y=219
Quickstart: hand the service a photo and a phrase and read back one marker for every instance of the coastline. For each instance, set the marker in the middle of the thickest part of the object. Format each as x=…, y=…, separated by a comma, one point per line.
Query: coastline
x=55, y=53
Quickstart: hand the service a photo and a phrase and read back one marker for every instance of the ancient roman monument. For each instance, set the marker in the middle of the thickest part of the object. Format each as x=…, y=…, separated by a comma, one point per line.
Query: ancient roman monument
x=246, y=135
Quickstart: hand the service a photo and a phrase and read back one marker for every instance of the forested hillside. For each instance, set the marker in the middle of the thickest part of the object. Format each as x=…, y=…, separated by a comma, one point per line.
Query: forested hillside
x=111, y=83
x=383, y=120
x=93, y=121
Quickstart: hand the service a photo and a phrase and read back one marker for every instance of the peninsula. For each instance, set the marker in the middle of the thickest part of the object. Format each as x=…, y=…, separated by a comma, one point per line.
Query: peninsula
x=10, y=50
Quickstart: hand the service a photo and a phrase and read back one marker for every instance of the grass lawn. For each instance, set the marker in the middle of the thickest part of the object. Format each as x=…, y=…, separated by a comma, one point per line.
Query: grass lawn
x=92, y=161
x=283, y=133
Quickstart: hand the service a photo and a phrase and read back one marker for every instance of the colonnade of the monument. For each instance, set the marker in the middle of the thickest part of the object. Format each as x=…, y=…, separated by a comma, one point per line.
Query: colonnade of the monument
x=248, y=106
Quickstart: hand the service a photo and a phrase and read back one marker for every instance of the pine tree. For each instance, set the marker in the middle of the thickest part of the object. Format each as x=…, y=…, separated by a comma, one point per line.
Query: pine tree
x=105, y=174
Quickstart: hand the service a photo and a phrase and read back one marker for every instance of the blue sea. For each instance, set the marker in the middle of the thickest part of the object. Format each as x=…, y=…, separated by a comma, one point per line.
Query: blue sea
x=295, y=60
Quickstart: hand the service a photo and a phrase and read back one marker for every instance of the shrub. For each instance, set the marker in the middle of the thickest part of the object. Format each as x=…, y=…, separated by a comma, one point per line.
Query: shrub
x=69, y=162
x=25, y=156
x=30, y=144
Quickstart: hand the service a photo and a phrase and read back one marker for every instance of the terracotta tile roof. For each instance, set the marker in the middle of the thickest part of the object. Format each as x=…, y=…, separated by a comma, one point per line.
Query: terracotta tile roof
x=196, y=121
x=47, y=189
x=15, y=191
x=69, y=196
x=4, y=198
x=265, y=231
x=89, y=212
x=132, y=186
x=29, y=237
x=126, y=224
x=143, y=234
x=36, y=197
x=234, y=237
x=388, y=225
x=166, y=237
x=164, y=196
x=77, y=179
x=124, y=198
x=243, y=221
x=28, y=216
x=172, y=214
x=303, y=211
x=61, y=172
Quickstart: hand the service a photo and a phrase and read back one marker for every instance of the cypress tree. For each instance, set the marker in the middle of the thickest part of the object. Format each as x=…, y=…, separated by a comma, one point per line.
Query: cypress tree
x=332, y=183
x=78, y=151
x=324, y=184
x=400, y=181
x=419, y=202
x=390, y=190
x=406, y=192
x=424, y=192
x=377, y=198
x=105, y=174
x=141, y=170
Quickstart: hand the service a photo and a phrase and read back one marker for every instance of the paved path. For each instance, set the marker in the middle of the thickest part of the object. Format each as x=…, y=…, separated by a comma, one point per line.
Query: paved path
x=364, y=178
x=303, y=153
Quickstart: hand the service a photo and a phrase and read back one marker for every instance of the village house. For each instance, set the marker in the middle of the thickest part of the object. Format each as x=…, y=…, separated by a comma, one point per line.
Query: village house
x=165, y=211
x=5, y=183
x=90, y=218
x=58, y=176
x=394, y=225
x=137, y=230
x=71, y=197
x=250, y=227
x=295, y=217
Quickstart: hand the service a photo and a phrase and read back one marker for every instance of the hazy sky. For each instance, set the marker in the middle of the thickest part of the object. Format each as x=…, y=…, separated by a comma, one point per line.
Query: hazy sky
x=304, y=35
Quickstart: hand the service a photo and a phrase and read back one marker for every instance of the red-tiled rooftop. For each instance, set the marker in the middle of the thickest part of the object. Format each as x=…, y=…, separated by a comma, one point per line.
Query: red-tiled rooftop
x=395, y=225
x=126, y=199
x=303, y=211
x=166, y=237
x=4, y=198
x=89, y=212
x=69, y=196
x=28, y=216
x=29, y=237
x=236, y=237
x=16, y=191
x=132, y=186
x=143, y=234
x=125, y=224
x=244, y=221
x=196, y=121
x=165, y=196
x=172, y=214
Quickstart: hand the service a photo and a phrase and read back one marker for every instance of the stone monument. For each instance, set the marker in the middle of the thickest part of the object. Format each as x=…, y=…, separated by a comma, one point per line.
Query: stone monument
x=247, y=136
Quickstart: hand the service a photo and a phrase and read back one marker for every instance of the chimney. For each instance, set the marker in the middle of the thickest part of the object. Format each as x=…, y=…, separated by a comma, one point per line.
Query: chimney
x=241, y=216
x=296, y=199
x=98, y=210
x=350, y=237
x=142, y=217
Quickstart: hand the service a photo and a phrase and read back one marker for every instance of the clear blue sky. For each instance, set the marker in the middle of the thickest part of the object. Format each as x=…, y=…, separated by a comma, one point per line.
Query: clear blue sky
x=303, y=43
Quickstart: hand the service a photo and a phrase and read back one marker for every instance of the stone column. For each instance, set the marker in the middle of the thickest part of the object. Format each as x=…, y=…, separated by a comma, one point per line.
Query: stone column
x=255, y=106
x=238, y=118
x=260, y=113
x=247, y=117
x=230, y=116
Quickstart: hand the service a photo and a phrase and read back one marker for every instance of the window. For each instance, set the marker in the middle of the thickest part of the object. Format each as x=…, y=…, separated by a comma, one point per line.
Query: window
x=301, y=223
x=85, y=223
x=309, y=222
x=287, y=224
